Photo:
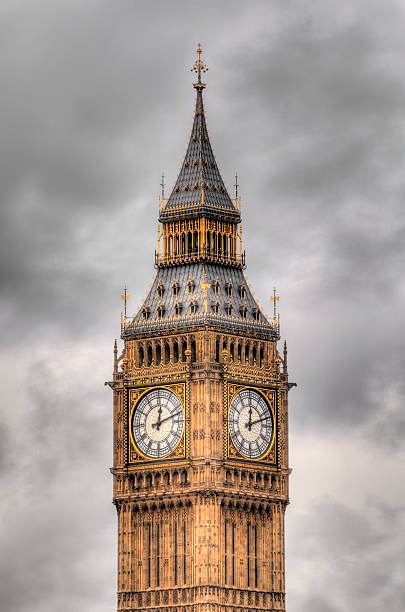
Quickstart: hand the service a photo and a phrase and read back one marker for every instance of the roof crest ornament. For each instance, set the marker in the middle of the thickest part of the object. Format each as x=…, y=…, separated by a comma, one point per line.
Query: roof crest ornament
x=199, y=66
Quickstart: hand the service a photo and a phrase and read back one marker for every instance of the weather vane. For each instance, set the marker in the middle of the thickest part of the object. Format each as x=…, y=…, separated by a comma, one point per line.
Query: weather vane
x=199, y=66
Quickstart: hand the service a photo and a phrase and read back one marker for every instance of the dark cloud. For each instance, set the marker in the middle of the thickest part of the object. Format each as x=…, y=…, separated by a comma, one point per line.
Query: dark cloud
x=305, y=101
x=354, y=554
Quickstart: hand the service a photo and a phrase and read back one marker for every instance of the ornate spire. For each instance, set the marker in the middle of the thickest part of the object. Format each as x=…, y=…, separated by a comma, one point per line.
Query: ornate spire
x=199, y=186
x=285, y=367
x=198, y=67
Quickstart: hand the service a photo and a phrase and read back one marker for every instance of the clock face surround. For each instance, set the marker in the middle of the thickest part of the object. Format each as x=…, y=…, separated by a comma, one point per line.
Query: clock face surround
x=157, y=423
x=251, y=424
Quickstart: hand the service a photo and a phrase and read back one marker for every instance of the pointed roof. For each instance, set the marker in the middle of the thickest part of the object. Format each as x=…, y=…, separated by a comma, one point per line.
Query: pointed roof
x=199, y=183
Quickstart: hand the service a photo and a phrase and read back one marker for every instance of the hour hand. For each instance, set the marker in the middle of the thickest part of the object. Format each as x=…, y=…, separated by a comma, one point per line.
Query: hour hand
x=249, y=422
x=157, y=424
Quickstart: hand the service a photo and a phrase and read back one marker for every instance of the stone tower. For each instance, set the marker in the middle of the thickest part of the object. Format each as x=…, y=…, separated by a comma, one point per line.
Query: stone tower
x=200, y=414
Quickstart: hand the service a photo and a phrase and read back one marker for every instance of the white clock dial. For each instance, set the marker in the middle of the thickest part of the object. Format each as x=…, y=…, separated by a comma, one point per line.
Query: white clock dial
x=251, y=424
x=158, y=423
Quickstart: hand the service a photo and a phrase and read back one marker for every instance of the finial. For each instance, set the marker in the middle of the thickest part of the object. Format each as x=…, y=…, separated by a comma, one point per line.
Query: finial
x=275, y=299
x=285, y=358
x=162, y=184
x=199, y=66
x=115, y=357
x=125, y=297
x=236, y=186
x=205, y=285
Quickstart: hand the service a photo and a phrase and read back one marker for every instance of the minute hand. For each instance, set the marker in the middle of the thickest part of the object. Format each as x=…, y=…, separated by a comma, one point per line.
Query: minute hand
x=165, y=419
x=259, y=420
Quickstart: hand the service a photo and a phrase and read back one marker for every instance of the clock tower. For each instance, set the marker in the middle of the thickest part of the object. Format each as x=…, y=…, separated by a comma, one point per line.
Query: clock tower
x=200, y=413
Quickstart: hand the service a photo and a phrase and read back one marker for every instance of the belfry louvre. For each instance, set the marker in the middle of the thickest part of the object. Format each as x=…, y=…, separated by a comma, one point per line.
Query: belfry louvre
x=200, y=462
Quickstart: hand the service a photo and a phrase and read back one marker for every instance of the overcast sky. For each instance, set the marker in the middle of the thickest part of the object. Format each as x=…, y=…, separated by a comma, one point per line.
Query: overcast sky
x=306, y=101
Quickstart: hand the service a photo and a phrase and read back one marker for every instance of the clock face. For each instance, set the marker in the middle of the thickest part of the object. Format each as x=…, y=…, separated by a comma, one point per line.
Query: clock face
x=158, y=423
x=251, y=424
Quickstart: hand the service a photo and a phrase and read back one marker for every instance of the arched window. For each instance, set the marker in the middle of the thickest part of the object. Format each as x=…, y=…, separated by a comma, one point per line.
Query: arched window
x=215, y=286
x=261, y=356
x=140, y=355
x=193, y=307
x=175, y=288
x=228, y=288
x=175, y=351
x=190, y=286
x=183, y=349
x=161, y=311
x=256, y=314
x=145, y=313
x=167, y=352
x=160, y=289
x=242, y=291
x=243, y=311
x=178, y=307
x=149, y=355
x=193, y=351
x=215, y=307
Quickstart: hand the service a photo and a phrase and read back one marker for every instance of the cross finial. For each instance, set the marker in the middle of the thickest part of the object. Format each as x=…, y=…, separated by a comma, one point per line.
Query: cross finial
x=162, y=184
x=236, y=185
x=199, y=66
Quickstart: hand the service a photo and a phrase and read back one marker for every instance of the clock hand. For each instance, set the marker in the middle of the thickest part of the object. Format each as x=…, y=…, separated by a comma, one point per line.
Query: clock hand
x=259, y=420
x=159, y=415
x=158, y=423
x=249, y=423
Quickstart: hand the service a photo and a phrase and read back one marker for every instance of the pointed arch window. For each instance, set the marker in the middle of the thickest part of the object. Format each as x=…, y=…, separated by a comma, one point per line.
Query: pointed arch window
x=215, y=307
x=215, y=286
x=175, y=288
x=242, y=291
x=229, y=288
x=256, y=314
x=190, y=286
x=161, y=311
x=243, y=311
x=145, y=313
x=228, y=308
x=193, y=307
x=160, y=290
x=178, y=307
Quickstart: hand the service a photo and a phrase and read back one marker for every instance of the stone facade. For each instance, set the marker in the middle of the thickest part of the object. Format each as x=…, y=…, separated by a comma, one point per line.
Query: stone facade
x=201, y=529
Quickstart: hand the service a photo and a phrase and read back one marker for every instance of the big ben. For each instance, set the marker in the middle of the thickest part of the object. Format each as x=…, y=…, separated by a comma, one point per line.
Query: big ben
x=200, y=461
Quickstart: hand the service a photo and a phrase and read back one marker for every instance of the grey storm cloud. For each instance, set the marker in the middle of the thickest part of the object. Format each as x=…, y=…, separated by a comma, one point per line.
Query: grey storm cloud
x=305, y=100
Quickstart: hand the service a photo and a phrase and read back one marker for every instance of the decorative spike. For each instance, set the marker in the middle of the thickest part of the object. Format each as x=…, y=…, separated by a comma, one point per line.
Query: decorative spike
x=115, y=357
x=285, y=369
x=274, y=298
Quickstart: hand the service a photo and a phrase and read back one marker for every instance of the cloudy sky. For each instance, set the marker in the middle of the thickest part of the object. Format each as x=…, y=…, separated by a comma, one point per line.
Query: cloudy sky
x=306, y=101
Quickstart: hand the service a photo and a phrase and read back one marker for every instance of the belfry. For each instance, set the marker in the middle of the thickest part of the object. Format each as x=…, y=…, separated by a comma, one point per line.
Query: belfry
x=200, y=461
